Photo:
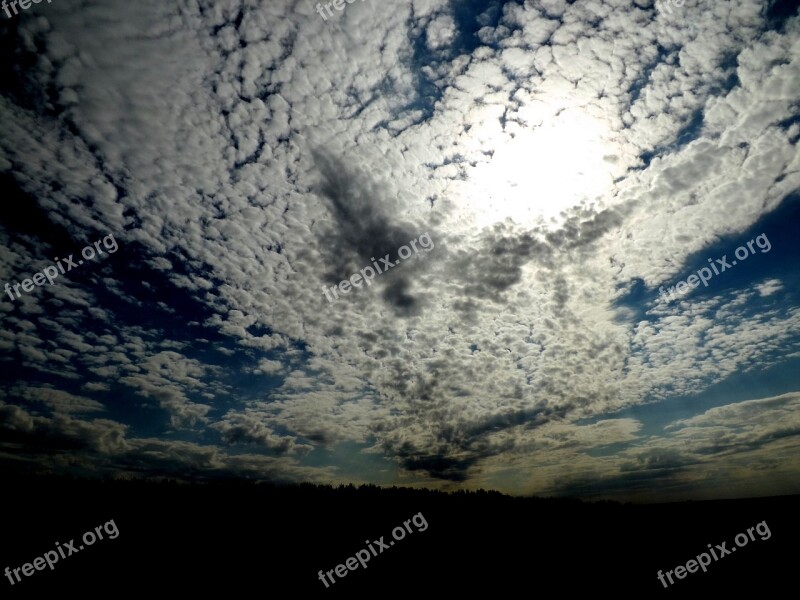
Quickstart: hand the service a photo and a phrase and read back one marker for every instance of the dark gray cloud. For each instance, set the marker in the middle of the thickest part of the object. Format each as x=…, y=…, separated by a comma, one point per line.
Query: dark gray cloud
x=364, y=230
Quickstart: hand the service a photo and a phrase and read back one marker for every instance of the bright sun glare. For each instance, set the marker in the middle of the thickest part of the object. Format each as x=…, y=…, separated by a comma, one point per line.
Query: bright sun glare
x=541, y=170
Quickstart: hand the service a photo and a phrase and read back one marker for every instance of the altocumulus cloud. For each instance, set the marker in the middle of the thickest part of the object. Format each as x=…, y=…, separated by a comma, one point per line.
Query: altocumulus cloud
x=567, y=158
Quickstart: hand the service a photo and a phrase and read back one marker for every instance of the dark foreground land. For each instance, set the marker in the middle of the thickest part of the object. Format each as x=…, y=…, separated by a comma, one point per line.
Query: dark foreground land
x=228, y=539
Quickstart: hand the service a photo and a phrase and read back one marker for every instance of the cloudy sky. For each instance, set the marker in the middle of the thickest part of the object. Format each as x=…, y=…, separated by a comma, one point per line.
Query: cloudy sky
x=563, y=161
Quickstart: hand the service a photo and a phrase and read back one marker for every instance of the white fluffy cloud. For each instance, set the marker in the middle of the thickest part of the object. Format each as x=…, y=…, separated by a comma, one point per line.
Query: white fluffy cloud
x=254, y=153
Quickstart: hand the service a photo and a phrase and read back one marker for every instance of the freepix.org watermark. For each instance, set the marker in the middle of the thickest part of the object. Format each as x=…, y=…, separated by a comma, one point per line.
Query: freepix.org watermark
x=51, y=557
x=368, y=273
x=51, y=273
x=362, y=557
x=705, y=274
x=23, y=4
x=666, y=5
x=704, y=559
x=337, y=4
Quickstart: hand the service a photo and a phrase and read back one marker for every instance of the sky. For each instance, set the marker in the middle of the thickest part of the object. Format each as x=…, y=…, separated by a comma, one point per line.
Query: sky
x=579, y=314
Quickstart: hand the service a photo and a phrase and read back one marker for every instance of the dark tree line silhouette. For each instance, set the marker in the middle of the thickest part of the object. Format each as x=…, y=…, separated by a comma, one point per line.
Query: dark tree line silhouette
x=237, y=537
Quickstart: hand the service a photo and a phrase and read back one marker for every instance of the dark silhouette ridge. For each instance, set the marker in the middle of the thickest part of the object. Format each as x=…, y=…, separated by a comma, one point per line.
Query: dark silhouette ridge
x=236, y=536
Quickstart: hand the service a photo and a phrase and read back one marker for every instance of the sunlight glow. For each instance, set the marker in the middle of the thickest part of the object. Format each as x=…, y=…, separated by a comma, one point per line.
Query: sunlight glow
x=537, y=172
